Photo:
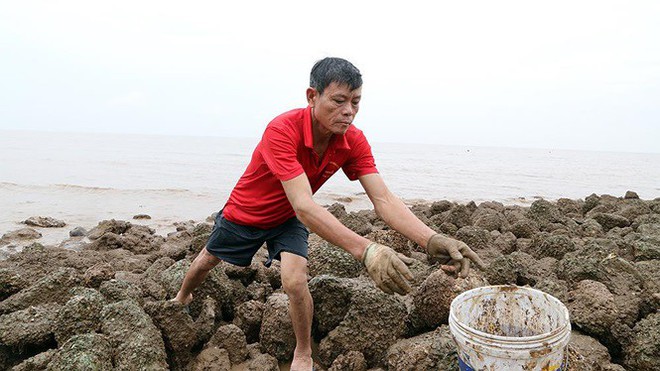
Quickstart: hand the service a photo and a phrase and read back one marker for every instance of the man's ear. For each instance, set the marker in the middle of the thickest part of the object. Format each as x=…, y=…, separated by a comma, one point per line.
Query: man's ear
x=312, y=96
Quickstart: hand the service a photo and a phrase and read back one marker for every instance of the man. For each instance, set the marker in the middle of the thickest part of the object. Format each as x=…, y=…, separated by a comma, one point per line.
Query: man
x=272, y=202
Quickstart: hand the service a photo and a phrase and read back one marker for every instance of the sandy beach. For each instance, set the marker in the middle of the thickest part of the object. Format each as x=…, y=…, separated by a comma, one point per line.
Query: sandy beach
x=101, y=296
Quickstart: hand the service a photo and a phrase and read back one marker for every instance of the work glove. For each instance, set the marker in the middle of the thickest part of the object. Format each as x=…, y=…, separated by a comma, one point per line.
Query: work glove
x=387, y=268
x=455, y=256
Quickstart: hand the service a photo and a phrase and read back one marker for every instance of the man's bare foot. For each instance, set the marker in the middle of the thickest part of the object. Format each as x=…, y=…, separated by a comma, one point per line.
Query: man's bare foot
x=184, y=301
x=302, y=363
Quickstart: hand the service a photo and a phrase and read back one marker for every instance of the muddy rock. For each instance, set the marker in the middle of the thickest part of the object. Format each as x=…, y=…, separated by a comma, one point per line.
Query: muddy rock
x=205, y=322
x=259, y=291
x=230, y=337
x=36, y=363
x=248, y=318
x=11, y=282
x=29, y=328
x=326, y=292
x=517, y=268
x=84, y=352
x=395, y=240
x=98, y=273
x=373, y=322
x=177, y=328
x=351, y=361
x=124, y=260
x=524, y=229
x=488, y=219
x=505, y=243
x=609, y=221
x=590, y=202
x=570, y=208
x=475, y=237
x=432, y=299
x=587, y=354
x=555, y=287
x=52, y=288
x=459, y=216
x=434, y=350
x=592, y=307
x=643, y=351
x=338, y=210
x=325, y=258
x=20, y=235
x=212, y=359
x=591, y=228
x=118, y=290
x=448, y=228
x=631, y=195
x=81, y=314
x=77, y=232
x=634, y=210
x=357, y=223
x=244, y=274
x=137, y=342
x=650, y=272
x=276, y=336
x=585, y=263
x=108, y=226
x=547, y=245
x=644, y=246
x=263, y=362
x=44, y=222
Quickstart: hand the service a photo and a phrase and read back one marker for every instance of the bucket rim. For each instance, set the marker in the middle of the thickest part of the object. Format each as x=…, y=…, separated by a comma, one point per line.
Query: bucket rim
x=557, y=332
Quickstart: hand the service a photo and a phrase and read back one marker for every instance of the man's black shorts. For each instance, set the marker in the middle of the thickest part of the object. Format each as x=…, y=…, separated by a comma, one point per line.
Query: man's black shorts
x=237, y=244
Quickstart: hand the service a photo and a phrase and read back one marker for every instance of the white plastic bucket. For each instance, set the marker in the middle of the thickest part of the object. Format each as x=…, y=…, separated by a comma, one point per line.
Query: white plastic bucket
x=509, y=328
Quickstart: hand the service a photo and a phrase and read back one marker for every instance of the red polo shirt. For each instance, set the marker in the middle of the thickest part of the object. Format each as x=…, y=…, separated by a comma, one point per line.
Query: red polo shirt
x=286, y=150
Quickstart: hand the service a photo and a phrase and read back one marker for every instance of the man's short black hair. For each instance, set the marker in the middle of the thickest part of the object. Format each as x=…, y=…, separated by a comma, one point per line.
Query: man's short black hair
x=338, y=70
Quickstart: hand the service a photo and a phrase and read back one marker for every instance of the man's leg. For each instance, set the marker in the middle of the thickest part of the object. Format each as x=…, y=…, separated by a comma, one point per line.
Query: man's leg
x=196, y=274
x=301, y=308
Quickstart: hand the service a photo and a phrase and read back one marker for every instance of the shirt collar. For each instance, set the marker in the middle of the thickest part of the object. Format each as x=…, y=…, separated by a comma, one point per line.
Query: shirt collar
x=338, y=141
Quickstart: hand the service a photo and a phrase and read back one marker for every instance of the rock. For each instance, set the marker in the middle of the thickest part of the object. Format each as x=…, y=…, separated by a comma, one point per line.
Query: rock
x=178, y=330
x=118, y=290
x=373, y=322
x=609, y=221
x=276, y=336
x=488, y=219
x=84, y=352
x=338, y=210
x=440, y=207
x=448, y=228
x=11, y=282
x=524, y=229
x=630, y=195
x=555, y=246
x=38, y=362
x=77, y=232
x=212, y=359
x=643, y=351
x=585, y=263
x=592, y=308
x=325, y=258
x=351, y=361
x=96, y=274
x=591, y=228
x=475, y=237
x=393, y=239
x=21, y=234
x=650, y=272
x=259, y=291
x=263, y=362
x=517, y=268
x=459, y=216
x=141, y=217
x=587, y=354
x=137, y=342
x=326, y=292
x=81, y=314
x=205, y=322
x=248, y=318
x=357, y=224
x=434, y=350
x=52, y=288
x=505, y=243
x=44, y=222
x=568, y=207
x=230, y=337
x=116, y=227
x=29, y=328
x=432, y=300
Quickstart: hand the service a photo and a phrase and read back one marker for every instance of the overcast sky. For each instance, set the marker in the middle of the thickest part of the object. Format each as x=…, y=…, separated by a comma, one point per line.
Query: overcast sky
x=552, y=74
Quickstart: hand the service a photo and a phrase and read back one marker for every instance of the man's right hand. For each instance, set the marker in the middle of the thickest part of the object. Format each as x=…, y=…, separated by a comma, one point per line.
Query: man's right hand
x=387, y=268
x=455, y=256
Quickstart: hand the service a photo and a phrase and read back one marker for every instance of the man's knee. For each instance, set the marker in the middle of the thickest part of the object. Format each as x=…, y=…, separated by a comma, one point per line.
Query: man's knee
x=295, y=284
x=205, y=260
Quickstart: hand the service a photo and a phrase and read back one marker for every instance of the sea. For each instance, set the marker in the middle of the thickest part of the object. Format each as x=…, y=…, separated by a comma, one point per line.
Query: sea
x=84, y=178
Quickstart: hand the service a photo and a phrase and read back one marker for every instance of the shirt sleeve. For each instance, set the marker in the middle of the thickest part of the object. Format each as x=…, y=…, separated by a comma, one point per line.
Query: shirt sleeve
x=361, y=161
x=280, y=154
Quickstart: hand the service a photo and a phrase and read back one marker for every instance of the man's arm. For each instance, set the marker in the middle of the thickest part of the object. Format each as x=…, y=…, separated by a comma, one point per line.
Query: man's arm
x=320, y=220
x=385, y=267
x=456, y=254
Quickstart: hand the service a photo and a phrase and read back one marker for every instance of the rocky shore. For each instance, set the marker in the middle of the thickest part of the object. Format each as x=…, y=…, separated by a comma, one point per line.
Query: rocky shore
x=99, y=301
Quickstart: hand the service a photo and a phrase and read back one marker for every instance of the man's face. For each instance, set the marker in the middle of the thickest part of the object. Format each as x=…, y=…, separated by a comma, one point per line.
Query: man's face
x=335, y=109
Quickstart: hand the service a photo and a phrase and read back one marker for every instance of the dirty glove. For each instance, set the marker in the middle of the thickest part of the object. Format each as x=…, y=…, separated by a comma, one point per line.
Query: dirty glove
x=455, y=255
x=387, y=268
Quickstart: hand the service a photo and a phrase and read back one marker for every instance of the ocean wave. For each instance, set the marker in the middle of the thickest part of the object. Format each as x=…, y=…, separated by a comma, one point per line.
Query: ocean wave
x=77, y=187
